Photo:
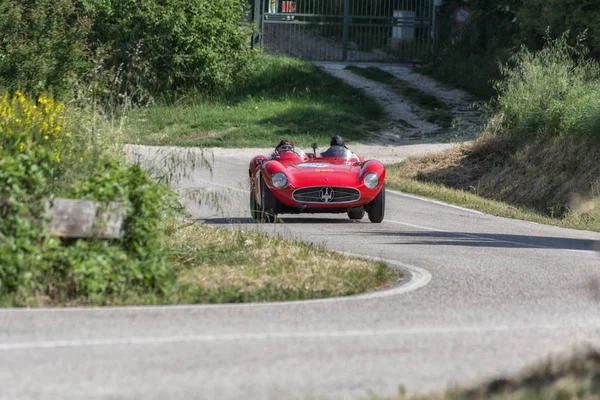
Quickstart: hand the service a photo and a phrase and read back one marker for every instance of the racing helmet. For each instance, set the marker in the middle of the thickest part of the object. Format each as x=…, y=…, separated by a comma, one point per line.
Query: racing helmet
x=337, y=140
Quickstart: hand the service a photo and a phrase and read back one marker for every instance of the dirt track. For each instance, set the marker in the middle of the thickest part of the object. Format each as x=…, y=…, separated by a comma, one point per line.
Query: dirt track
x=407, y=123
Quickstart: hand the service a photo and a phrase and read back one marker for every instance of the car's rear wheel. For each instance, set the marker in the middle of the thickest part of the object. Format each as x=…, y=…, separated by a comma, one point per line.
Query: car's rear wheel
x=377, y=207
x=357, y=215
x=254, y=210
x=268, y=204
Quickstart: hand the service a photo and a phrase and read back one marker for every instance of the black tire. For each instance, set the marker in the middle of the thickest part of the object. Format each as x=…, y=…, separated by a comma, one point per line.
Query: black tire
x=356, y=215
x=377, y=207
x=254, y=211
x=268, y=204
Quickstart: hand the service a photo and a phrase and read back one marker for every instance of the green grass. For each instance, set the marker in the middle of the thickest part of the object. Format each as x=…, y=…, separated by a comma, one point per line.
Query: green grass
x=281, y=98
x=438, y=112
x=228, y=265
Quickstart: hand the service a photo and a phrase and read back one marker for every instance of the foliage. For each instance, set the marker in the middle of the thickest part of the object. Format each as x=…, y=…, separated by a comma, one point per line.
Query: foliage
x=549, y=93
x=574, y=16
x=540, y=150
x=149, y=45
x=147, y=204
x=43, y=45
x=183, y=45
x=34, y=145
x=34, y=128
x=470, y=55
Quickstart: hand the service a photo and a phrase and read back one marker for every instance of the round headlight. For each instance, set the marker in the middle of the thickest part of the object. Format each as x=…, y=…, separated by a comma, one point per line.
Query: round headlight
x=280, y=181
x=371, y=180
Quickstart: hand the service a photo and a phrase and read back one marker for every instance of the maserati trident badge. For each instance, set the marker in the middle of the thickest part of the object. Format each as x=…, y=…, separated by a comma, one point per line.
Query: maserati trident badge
x=326, y=194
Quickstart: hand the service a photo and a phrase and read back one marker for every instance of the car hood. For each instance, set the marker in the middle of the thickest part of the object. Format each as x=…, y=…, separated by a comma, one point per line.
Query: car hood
x=324, y=173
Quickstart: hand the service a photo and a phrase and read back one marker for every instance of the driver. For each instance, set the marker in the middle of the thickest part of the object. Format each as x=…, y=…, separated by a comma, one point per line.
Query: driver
x=285, y=143
x=285, y=146
x=337, y=148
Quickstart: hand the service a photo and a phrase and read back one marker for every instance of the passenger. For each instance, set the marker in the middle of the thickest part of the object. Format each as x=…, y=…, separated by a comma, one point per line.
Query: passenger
x=337, y=148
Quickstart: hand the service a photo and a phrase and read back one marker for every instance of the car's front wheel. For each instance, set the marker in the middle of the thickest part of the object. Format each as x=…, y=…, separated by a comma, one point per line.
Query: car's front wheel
x=254, y=210
x=377, y=207
x=268, y=204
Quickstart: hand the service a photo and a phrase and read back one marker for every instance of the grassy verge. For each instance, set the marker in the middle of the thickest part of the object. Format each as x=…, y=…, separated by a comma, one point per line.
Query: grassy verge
x=437, y=111
x=458, y=177
x=281, y=98
x=397, y=180
x=227, y=265
x=567, y=377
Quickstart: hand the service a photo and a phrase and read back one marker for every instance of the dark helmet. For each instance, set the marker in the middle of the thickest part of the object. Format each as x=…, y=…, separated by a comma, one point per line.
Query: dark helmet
x=337, y=141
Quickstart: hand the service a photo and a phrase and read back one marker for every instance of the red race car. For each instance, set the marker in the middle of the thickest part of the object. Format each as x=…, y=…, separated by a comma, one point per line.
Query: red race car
x=336, y=181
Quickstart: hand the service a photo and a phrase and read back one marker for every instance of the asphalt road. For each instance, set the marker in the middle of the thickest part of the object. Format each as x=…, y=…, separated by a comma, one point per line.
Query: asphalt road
x=482, y=296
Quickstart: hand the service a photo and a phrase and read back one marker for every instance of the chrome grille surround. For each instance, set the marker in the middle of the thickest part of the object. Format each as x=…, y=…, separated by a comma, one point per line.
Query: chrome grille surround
x=326, y=195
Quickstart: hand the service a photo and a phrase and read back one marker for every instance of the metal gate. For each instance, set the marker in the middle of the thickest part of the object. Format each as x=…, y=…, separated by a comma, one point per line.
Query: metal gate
x=348, y=30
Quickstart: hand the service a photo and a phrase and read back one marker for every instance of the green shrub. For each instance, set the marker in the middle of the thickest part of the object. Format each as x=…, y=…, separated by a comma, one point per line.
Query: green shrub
x=34, y=145
x=549, y=94
x=146, y=202
x=181, y=44
x=43, y=45
x=574, y=16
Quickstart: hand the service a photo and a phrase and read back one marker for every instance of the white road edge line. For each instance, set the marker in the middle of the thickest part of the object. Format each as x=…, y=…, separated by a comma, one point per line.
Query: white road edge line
x=417, y=278
x=224, y=337
x=441, y=203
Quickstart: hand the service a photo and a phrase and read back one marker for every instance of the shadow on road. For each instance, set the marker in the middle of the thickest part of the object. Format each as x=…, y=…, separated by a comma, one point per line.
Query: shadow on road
x=310, y=220
x=487, y=240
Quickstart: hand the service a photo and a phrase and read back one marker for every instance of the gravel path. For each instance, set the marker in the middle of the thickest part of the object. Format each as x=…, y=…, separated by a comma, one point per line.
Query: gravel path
x=407, y=122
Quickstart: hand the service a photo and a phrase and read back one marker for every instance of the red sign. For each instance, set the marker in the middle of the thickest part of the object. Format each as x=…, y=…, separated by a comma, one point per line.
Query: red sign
x=462, y=14
x=288, y=7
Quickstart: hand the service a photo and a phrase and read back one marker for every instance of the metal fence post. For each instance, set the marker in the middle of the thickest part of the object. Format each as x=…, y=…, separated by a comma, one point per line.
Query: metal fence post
x=437, y=5
x=346, y=29
x=257, y=18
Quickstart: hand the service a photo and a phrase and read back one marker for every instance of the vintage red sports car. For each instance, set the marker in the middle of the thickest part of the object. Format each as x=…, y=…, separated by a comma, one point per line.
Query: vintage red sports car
x=336, y=181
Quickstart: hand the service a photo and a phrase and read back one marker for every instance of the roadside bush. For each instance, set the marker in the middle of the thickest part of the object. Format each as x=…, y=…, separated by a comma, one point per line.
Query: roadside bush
x=470, y=54
x=548, y=112
x=575, y=16
x=34, y=143
x=550, y=93
x=548, y=107
x=43, y=45
x=181, y=44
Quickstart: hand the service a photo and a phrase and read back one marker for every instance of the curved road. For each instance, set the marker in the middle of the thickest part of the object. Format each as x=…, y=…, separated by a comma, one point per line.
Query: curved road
x=486, y=296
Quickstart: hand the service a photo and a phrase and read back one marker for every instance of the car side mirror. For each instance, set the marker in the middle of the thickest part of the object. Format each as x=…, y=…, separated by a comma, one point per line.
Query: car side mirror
x=314, y=147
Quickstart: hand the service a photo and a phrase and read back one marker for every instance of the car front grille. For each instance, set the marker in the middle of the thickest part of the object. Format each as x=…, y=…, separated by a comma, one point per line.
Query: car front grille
x=326, y=194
